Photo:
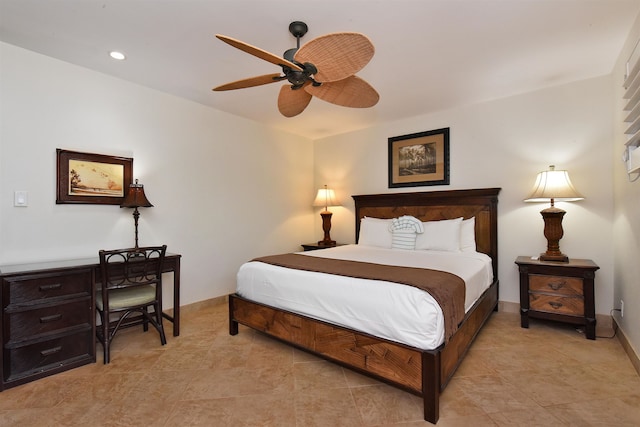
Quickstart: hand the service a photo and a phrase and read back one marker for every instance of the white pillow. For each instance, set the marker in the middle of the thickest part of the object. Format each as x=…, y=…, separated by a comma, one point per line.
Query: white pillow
x=468, y=235
x=441, y=235
x=375, y=232
x=404, y=231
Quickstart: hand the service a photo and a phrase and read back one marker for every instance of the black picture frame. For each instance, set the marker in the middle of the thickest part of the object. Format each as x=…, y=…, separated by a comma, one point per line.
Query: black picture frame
x=87, y=178
x=419, y=159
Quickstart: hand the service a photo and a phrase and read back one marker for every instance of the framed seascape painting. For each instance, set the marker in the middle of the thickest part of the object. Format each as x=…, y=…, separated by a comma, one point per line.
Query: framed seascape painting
x=92, y=178
x=419, y=159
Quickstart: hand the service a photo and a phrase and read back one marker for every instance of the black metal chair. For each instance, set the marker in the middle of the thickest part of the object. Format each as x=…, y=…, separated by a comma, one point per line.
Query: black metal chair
x=131, y=282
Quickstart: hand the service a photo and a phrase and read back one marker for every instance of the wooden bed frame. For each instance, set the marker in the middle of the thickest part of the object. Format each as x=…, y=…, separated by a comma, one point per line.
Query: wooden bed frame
x=422, y=372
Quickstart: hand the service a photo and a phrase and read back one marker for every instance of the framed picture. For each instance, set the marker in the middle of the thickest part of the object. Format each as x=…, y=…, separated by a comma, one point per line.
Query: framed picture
x=96, y=179
x=419, y=159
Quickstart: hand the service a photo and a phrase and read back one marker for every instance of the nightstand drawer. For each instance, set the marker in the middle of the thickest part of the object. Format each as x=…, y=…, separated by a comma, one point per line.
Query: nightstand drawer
x=555, y=284
x=24, y=324
x=35, y=288
x=556, y=304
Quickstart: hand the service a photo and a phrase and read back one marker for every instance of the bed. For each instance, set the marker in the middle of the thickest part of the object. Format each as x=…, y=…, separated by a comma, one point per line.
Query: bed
x=424, y=372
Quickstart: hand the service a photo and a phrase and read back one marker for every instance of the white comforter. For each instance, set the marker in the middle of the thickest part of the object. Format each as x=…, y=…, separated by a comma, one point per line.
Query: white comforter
x=396, y=312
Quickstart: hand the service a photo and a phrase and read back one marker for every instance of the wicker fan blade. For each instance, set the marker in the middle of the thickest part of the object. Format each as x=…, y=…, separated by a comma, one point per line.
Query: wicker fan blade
x=350, y=92
x=337, y=55
x=292, y=102
x=256, y=51
x=250, y=82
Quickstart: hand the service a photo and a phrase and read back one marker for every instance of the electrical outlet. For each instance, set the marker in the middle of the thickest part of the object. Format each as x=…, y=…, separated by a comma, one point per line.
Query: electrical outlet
x=621, y=308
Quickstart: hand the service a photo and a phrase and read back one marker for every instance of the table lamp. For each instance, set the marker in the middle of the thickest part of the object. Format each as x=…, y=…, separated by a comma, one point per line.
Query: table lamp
x=552, y=186
x=326, y=197
x=136, y=198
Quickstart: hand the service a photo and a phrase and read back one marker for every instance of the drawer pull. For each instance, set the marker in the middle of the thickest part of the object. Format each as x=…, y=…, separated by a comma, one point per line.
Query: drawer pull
x=51, y=287
x=555, y=304
x=557, y=285
x=51, y=318
x=50, y=351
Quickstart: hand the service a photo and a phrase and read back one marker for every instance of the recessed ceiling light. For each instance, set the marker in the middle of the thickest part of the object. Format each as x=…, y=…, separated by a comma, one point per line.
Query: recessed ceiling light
x=117, y=55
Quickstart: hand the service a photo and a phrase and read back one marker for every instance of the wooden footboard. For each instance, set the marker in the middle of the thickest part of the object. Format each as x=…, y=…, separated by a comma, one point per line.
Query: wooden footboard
x=364, y=353
x=424, y=373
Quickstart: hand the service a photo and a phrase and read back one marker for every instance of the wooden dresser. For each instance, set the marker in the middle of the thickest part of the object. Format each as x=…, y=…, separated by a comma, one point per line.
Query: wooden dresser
x=562, y=291
x=48, y=320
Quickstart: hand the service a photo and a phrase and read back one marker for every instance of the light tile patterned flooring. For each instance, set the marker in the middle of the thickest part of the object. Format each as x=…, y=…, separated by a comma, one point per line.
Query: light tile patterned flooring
x=547, y=375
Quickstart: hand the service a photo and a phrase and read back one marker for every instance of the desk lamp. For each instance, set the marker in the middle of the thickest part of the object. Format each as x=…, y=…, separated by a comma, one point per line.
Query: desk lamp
x=551, y=186
x=326, y=197
x=136, y=198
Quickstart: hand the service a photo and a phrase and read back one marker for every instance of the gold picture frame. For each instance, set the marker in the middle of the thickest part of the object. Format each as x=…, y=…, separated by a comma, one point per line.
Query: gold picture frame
x=419, y=159
x=87, y=178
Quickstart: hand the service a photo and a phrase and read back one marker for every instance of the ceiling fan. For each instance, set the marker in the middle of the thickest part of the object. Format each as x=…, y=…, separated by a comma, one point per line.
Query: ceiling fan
x=324, y=67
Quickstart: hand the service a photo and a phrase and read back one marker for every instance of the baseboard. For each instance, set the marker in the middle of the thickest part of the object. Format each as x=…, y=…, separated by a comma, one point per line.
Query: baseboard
x=508, y=307
x=628, y=348
x=190, y=308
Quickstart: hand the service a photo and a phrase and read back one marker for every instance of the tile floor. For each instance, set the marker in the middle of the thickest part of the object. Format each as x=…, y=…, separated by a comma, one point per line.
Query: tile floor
x=548, y=375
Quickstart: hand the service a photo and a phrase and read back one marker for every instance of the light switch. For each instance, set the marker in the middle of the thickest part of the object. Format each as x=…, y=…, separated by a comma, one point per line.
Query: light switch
x=21, y=198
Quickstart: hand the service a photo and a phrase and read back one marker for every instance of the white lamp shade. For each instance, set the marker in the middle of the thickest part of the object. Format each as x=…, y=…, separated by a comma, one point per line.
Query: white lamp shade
x=553, y=185
x=325, y=197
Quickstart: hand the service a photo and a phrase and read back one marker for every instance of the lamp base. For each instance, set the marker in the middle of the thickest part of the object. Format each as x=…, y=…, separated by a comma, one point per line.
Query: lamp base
x=554, y=258
x=553, y=232
x=326, y=227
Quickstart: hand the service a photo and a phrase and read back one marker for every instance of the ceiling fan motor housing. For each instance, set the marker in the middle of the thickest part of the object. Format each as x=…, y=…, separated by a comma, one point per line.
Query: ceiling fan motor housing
x=299, y=78
x=296, y=78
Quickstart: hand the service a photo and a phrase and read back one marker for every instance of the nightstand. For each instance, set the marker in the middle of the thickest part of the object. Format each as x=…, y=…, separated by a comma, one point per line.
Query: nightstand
x=561, y=291
x=316, y=246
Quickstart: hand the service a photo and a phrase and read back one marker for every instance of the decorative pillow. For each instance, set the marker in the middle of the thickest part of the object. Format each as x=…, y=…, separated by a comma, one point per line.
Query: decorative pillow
x=468, y=235
x=441, y=235
x=375, y=232
x=404, y=230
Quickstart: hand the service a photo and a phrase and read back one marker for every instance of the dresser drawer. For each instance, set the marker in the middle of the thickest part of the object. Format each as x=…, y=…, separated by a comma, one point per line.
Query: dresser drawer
x=555, y=284
x=37, y=287
x=41, y=356
x=42, y=319
x=556, y=304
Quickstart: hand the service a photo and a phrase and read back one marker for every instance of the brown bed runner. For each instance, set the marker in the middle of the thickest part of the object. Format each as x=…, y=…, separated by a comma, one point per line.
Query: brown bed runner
x=446, y=288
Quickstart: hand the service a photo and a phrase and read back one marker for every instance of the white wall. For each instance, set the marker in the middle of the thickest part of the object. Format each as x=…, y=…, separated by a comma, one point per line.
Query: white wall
x=205, y=170
x=504, y=144
x=225, y=189
x=627, y=213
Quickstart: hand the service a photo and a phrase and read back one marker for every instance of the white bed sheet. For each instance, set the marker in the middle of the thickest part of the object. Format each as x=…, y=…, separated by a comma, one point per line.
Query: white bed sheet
x=387, y=310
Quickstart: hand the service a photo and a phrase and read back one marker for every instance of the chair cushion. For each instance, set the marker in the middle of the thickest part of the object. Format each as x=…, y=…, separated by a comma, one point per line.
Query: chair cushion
x=128, y=297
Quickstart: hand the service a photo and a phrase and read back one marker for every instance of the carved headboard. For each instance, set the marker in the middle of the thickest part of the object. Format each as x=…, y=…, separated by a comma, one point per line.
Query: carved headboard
x=436, y=205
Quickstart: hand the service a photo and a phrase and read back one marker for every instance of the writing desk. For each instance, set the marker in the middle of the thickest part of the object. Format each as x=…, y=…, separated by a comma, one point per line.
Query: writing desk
x=48, y=321
x=171, y=265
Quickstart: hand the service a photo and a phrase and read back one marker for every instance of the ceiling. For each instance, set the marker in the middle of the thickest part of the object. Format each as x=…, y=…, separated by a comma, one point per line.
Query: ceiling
x=430, y=54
